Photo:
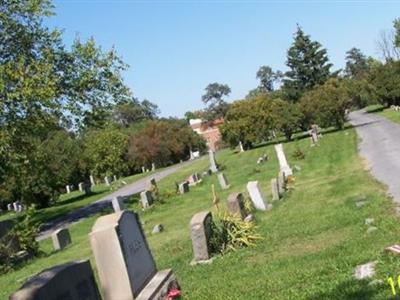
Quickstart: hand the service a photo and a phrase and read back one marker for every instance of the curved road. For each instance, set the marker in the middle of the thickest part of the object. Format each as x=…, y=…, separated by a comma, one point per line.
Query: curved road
x=97, y=206
x=380, y=146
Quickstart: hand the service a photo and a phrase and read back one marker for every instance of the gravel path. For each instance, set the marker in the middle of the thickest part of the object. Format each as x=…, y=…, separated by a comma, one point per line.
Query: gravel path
x=105, y=202
x=380, y=146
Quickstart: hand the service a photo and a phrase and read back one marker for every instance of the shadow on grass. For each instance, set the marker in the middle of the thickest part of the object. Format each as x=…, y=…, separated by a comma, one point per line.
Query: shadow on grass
x=76, y=198
x=351, y=290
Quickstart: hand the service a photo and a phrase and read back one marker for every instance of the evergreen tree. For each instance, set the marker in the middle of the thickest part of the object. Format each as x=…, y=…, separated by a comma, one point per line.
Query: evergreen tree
x=309, y=66
x=356, y=63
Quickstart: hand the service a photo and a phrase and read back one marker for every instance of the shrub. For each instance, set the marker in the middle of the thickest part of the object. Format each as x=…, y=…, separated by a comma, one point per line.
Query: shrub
x=231, y=232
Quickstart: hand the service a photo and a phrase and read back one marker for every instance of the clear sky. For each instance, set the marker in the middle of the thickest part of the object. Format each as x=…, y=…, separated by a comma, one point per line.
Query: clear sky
x=175, y=48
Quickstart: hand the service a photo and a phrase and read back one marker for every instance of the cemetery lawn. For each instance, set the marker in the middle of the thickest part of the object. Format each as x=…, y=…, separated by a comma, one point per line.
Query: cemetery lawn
x=388, y=113
x=76, y=199
x=312, y=239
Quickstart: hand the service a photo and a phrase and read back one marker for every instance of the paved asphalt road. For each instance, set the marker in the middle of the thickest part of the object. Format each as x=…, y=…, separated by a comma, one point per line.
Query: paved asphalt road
x=97, y=206
x=380, y=146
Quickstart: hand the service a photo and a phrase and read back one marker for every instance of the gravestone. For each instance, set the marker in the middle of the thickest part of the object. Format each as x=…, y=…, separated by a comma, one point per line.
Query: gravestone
x=115, y=178
x=61, y=238
x=153, y=167
x=143, y=169
x=118, y=204
x=146, y=199
x=87, y=188
x=236, y=205
x=70, y=281
x=16, y=206
x=283, y=164
x=223, y=182
x=125, y=265
x=241, y=147
x=107, y=180
x=153, y=182
x=6, y=227
x=213, y=164
x=183, y=187
x=68, y=188
x=274, y=189
x=9, y=206
x=201, y=233
x=80, y=186
x=92, y=181
x=281, y=183
x=257, y=196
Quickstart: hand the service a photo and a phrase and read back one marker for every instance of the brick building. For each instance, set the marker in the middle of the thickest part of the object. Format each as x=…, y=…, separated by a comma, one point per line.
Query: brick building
x=209, y=131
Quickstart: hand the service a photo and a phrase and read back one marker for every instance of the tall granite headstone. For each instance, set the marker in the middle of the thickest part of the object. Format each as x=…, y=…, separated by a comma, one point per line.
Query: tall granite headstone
x=257, y=196
x=201, y=233
x=274, y=189
x=213, y=164
x=146, y=199
x=236, y=205
x=118, y=204
x=124, y=262
x=283, y=164
x=223, y=182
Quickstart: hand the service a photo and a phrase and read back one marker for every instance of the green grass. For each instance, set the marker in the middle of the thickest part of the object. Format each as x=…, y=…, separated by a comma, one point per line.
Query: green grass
x=390, y=114
x=312, y=239
x=75, y=200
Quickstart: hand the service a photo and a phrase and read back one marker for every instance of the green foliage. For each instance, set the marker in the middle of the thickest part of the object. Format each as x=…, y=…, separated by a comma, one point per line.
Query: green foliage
x=267, y=78
x=386, y=81
x=309, y=66
x=240, y=120
x=232, y=233
x=163, y=142
x=298, y=154
x=396, y=24
x=105, y=151
x=134, y=111
x=286, y=117
x=27, y=230
x=325, y=105
x=214, y=94
x=356, y=63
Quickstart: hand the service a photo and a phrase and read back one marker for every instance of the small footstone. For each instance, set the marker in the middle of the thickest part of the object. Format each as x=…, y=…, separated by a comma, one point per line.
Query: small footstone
x=369, y=221
x=297, y=168
x=360, y=203
x=394, y=249
x=365, y=271
x=157, y=229
x=372, y=229
x=249, y=218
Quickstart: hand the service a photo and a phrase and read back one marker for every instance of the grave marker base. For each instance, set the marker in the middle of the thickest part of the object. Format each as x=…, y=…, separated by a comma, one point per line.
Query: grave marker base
x=159, y=285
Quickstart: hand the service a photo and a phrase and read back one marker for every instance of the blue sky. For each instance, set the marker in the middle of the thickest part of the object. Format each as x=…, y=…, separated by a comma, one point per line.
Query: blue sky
x=175, y=48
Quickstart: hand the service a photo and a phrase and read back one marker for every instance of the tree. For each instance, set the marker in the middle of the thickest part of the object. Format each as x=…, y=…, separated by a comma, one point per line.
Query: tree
x=105, y=151
x=163, y=142
x=44, y=85
x=240, y=120
x=309, y=66
x=325, y=105
x=386, y=44
x=396, y=24
x=134, y=111
x=217, y=106
x=286, y=116
x=267, y=78
x=386, y=81
x=356, y=63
